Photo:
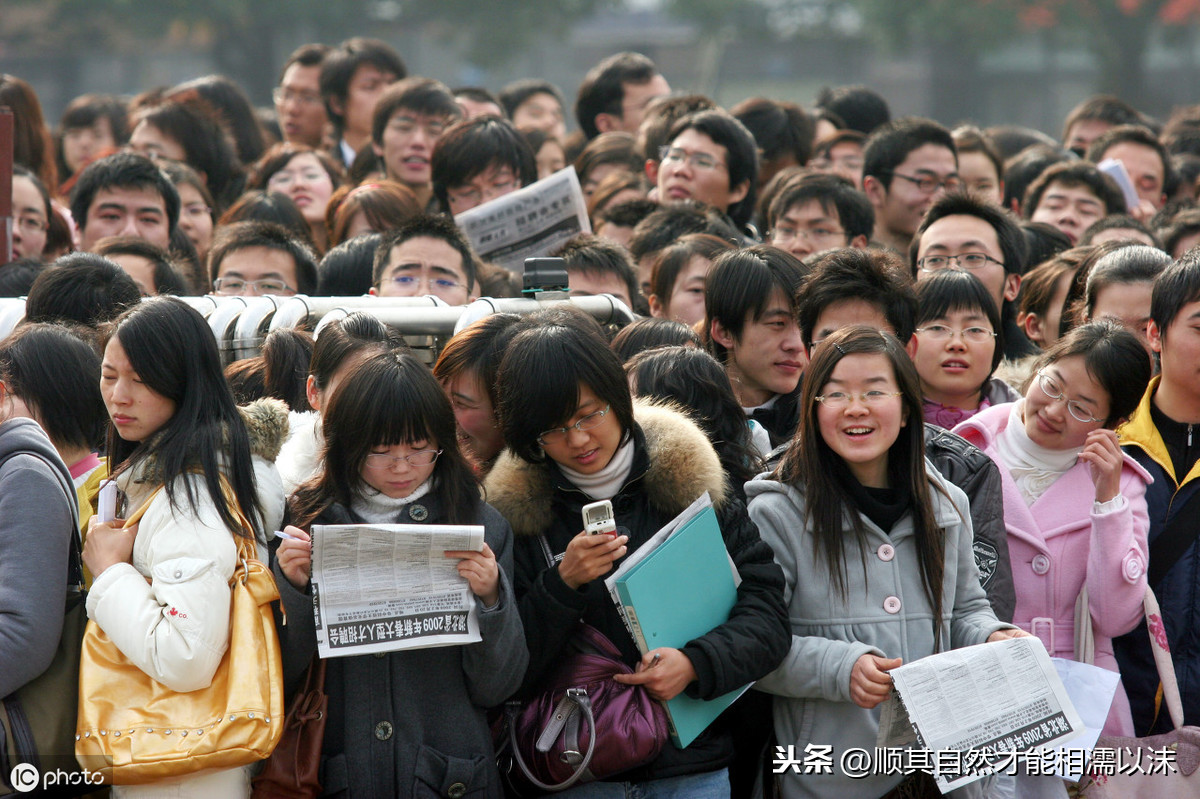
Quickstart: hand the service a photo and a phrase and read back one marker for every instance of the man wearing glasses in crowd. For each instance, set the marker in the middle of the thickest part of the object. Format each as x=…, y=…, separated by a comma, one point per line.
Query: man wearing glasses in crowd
x=907, y=164
x=428, y=254
x=817, y=213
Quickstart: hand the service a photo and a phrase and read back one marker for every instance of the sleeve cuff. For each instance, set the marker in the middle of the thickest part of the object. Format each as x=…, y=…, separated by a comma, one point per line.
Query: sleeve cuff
x=1117, y=503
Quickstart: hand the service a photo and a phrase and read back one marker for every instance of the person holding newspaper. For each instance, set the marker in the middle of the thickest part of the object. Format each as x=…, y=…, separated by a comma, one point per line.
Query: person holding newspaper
x=406, y=722
x=575, y=436
x=876, y=550
x=1074, y=504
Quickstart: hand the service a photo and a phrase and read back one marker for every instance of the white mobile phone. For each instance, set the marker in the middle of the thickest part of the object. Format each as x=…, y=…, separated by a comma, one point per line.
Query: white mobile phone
x=598, y=518
x=106, y=501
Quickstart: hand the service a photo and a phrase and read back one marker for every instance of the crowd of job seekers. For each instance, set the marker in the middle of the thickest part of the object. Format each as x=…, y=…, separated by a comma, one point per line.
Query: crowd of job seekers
x=940, y=385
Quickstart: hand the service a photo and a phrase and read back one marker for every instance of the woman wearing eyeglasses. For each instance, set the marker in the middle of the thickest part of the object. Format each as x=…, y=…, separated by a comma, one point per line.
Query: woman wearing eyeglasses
x=958, y=346
x=574, y=437
x=1074, y=504
x=408, y=723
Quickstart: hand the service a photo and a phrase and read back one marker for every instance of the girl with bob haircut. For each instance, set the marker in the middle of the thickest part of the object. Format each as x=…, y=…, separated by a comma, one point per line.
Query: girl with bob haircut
x=959, y=343
x=1118, y=287
x=678, y=275
x=343, y=344
x=864, y=530
x=175, y=426
x=1044, y=294
x=1074, y=503
x=370, y=208
x=307, y=176
x=391, y=457
x=576, y=436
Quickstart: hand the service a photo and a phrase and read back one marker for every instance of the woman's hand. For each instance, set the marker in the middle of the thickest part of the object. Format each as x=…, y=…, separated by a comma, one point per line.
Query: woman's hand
x=665, y=672
x=1004, y=635
x=481, y=571
x=107, y=544
x=1102, y=451
x=590, y=556
x=295, y=557
x=869, y=680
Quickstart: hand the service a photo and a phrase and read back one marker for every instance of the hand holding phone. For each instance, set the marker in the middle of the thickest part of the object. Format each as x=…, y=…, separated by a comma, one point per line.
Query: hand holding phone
x=598, y=518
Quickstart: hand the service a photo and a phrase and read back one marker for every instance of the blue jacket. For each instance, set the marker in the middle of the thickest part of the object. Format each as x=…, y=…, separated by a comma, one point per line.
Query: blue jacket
x=1179, y=591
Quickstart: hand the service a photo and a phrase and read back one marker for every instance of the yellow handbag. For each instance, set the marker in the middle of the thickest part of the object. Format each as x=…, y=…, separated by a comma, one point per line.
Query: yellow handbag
x=134, y=730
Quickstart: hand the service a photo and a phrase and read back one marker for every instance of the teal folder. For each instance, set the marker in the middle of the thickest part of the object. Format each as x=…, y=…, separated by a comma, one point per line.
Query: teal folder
x=681, y=591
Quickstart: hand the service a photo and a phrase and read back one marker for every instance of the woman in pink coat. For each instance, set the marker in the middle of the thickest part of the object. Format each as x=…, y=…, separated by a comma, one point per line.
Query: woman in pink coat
x=1074, y=503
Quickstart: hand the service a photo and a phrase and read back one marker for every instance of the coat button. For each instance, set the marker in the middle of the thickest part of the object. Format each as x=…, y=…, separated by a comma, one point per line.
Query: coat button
x=383, y=730
x=1041, y=564
x=892, y=604
x=886, y=552
x=418, y=513
x=1133, y=569
x=456, y=791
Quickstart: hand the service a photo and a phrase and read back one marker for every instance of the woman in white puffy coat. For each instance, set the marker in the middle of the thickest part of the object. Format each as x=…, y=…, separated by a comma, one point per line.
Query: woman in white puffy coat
x=161, y=590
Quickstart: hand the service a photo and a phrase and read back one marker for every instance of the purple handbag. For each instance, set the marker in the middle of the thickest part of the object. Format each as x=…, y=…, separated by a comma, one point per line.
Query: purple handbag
x=585, y=726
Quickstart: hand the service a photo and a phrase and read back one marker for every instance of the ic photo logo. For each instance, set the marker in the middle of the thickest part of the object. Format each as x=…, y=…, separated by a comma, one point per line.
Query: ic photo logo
x=24, y=777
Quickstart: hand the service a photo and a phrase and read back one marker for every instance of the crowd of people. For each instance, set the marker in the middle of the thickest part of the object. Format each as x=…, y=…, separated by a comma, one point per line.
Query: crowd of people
x=939, y=383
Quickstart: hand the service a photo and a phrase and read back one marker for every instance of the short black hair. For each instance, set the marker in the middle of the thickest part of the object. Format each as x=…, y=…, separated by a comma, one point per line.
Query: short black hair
x=306, y=55
x=83, y=112
x=833, y=192
x=1103, y=108
x=1134, y=263
x=1009, y=235
x=539, y=379
x=661, y=228
x=741, y=155
x=593, y=255
x=56, y=373
x=1185, y=223
x=122, y=171
x=739, y=285
x=1044, y=241
x=661, y=115
x=1075, y=173
x=890, y=144
x=340, y=64
x=603, y=88
x=477, y=94
x=16, y=277
x=433, y=226
x=515, y=94
x=81, y=287
x=876, y=277
x=194, y=124
x=1119, y=222
x=1177, y=286
x=345, y=271
x=778, y=128
x=167, y=279
x=260, y=205
x=471, y=146
x=859, y=107
x=651, y=333
x=419, y=95
x=241, y=235
x=628, y=213
x=1130, y=134
x=1023, y=169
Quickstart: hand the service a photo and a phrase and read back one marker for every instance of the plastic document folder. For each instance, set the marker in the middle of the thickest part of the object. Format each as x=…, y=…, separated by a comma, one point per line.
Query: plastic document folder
x=680, y=591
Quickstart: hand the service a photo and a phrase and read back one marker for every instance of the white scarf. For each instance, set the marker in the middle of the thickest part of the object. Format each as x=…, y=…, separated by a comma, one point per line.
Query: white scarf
x=608, y=481
x=1033, y=467
x=376, y=507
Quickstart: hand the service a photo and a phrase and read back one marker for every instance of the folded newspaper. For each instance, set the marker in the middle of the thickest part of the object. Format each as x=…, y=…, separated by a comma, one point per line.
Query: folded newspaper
x=528, y=223
x=388, y=587
x=993, y=703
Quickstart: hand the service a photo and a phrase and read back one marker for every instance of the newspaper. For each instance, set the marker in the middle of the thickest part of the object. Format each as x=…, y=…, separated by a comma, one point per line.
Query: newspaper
x=987, y=700
x=528, y=223
x=387, y=587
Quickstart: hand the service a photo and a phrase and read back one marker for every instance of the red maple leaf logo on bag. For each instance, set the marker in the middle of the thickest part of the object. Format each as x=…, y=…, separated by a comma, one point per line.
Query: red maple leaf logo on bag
x=174, y=612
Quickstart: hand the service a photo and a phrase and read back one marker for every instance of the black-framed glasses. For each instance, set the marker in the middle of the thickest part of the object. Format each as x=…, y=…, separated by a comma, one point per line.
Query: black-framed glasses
x=928, y=184
x=382, y=460
x=965, y=260
x=558, y=435
x=1054, y=390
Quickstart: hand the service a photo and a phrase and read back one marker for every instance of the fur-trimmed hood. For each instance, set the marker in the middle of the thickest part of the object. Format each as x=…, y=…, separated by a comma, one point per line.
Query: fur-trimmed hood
x=678, y=465
x=266, y=421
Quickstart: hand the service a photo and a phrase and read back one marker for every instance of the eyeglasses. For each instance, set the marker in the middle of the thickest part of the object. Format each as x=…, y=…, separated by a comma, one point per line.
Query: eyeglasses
x=966, y=260
x=281, y=96
x=559, y=434
x=782, y=233
x=678, y=155
x=475, y=195
x=1054, y=390
x=236, y=285
x=975, y=335
x=29, y=225
x=927, y=184
x=382, y=460
x=404, y=125
x=840, y=400
x=408, y=282
x=196, y=210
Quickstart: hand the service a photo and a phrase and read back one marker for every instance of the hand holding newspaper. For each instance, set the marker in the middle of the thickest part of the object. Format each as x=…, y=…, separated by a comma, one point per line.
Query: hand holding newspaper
x=388, y=587
x=987, y=702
